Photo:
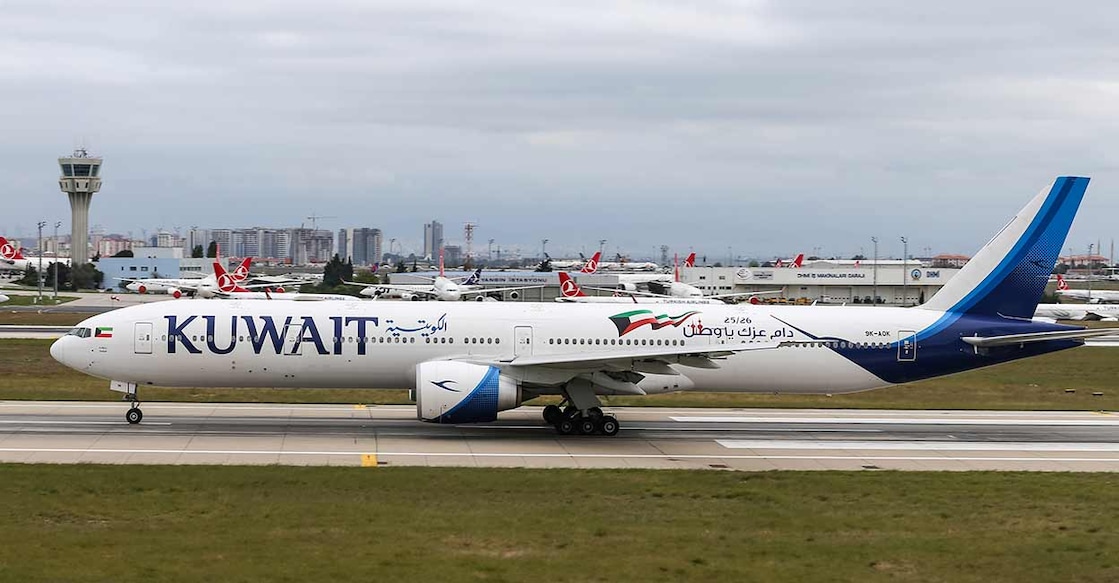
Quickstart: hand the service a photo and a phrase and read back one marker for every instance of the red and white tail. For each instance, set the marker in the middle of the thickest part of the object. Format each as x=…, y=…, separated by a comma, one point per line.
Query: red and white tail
x=9, y=251
x=241, y=273
x=1062, y=285
x=226, y=281
x=798, y=260
x=689, y=261
x=568, y=287
x=592, y=263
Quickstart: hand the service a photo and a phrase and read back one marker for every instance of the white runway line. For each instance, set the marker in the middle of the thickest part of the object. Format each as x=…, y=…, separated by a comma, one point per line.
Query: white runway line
x=1102, y=420
x=122, y=423
x=918, y=445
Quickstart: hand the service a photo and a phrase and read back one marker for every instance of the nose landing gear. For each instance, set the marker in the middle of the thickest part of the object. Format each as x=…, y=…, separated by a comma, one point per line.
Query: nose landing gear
x=134, y=414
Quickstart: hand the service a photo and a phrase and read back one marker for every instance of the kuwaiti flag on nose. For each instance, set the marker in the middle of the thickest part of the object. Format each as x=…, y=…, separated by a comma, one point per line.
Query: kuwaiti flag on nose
x=103, y=332
x=630, y=321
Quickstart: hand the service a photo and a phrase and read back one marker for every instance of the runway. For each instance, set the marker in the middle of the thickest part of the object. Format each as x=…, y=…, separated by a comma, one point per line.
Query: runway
x=736, y=439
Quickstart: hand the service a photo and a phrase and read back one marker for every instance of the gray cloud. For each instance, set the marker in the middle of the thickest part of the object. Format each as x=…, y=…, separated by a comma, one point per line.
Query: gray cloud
x=765, y=127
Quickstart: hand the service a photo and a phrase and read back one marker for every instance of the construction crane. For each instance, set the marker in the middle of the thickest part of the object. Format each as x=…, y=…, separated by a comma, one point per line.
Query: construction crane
x=315, y=220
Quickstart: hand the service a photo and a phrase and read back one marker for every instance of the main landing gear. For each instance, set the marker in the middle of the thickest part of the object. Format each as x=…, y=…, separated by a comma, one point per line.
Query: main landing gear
x=583, y=414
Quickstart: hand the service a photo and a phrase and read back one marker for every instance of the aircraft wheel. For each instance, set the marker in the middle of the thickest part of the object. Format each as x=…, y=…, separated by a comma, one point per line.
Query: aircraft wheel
x=134, y=415
x=608, y=425
x=587, y=426
x=552, y=414
x=565, y=427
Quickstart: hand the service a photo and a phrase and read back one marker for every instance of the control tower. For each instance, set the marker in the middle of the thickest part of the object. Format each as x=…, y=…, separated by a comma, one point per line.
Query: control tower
x=81, y=177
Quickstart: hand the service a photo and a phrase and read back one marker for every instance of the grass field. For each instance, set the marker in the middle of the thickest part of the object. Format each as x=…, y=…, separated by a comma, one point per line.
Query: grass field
x=28, y=372
x=24, y=300
x=184, y=523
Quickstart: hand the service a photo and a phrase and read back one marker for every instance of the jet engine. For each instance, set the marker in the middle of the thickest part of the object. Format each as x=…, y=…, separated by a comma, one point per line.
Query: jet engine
x=461, y=392
x=514, y=295
x=174, y=292
x=142, y=289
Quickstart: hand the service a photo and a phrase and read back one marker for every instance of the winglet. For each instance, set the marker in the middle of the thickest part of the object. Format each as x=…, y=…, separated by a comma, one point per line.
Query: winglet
x=1008, y=275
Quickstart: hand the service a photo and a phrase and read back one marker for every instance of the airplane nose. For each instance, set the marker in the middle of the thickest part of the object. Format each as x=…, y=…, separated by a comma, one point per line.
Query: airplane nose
x=63, y=350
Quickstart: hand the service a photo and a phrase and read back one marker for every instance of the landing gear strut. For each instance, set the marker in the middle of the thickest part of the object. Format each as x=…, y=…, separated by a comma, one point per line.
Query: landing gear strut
x=134, y=414
x=582, y=414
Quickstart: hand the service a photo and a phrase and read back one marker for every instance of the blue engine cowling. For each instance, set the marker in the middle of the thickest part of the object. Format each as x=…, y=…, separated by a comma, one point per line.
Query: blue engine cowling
x=460, y=392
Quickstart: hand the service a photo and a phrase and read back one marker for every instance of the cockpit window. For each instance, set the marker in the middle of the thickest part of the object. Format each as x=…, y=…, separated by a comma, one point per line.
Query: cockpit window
x=80, y=332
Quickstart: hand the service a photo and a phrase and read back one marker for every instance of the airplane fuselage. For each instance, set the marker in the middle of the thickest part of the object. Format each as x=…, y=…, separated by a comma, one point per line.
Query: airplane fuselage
x=802, y=349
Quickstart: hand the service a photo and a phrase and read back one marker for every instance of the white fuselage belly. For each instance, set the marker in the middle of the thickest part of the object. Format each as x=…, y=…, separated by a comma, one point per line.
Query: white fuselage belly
x=406, y=334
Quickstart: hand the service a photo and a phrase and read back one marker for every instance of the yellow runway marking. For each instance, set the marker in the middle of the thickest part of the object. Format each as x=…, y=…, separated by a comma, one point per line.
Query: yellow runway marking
x=359, y=407
x=368, y=460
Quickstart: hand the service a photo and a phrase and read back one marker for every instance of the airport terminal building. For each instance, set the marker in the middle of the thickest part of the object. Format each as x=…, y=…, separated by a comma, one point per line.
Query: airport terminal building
x=893, y=282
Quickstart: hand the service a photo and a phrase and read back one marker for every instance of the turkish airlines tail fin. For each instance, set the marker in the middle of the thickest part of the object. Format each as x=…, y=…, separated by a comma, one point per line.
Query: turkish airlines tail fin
x=689, y=261
x=568, y=287
x=798, y=260
x=592, y=263
x=226, y=281
x=1062, y=285
x=9, y=251
x=241, y=273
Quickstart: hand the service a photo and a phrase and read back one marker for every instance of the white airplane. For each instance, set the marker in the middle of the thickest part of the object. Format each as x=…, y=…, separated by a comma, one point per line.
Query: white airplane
x=1085, y=295
x=175, y=286
x=465, y=363
x=3, y=298
x=1102, y=312
x=228, y=286
x=12, y=258
x=441, y=288
x=570, y=292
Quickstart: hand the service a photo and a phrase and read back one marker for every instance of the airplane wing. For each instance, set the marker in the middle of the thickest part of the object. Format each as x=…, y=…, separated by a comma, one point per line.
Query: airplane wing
x=402, y=288
x=684, y=355
x=744, y=294
x=1012, y=339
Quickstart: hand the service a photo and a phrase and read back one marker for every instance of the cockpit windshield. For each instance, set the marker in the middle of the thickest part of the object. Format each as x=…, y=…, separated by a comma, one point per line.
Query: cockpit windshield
x=80, y=332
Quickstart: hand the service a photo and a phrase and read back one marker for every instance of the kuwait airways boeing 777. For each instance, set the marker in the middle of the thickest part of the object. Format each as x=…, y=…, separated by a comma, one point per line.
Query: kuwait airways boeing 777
x=466, y=362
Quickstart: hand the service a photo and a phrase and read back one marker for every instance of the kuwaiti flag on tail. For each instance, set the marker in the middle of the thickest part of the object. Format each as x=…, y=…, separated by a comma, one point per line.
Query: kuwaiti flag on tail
x=103, y=332
x=630, y=321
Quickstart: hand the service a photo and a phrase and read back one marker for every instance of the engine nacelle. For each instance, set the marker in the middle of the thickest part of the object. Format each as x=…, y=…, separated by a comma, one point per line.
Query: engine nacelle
x=174, y=292
x=410, y=296
x=514, y=295
x=142, y=289
x=627, y=286
x=279, y=289
x=460, y=392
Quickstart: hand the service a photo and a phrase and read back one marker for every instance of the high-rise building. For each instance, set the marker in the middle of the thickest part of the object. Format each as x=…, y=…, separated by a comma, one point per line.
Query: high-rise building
x=81, y=178
x=362, y=246
x=433, y=239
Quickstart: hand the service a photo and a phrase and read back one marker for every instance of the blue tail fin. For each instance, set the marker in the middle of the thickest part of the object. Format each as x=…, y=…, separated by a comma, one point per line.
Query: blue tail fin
x=1008, y=275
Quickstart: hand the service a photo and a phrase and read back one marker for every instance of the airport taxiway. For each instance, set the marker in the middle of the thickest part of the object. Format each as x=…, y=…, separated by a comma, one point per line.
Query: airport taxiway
x=739, y=439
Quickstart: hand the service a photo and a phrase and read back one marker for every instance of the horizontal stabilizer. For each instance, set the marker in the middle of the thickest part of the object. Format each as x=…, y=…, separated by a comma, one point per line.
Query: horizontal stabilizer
x=1012, y=339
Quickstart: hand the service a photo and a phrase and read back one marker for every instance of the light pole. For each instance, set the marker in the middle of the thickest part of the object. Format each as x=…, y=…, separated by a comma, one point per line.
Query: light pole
x=602, y=245
x=543, y=249
x=489, y=257
x=904, y=271
x=40, y=274
x=57, y=224
x=1088, y=260
x=875, y=276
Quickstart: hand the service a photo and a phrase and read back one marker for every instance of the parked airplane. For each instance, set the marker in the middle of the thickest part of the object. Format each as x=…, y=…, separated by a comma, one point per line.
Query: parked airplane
x=1085, y=295
x=13, y=259
x=465, y=363
x=229, y=287
x=3, y=298
x=175, y=286
x=571, y=292
x=1102, y=312
x=441, y=288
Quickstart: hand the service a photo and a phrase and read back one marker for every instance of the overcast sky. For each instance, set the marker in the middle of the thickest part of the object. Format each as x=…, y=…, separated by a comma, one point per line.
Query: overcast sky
x=765, y=128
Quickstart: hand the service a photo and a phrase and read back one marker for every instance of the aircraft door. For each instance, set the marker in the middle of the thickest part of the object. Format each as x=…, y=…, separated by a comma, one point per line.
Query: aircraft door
x=907, y=346
x=142, y=339
x=522, y=341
